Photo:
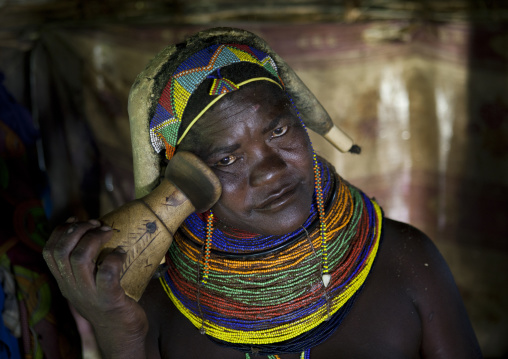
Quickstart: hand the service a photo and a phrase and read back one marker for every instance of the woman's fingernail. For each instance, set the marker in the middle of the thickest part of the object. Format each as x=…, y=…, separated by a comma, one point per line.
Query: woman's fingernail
x=94, y=222
x=120, y=250
x=71, y=220
x=105, y=228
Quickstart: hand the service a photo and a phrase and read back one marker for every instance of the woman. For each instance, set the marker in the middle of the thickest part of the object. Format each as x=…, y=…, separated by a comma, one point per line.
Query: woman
x=291, y=262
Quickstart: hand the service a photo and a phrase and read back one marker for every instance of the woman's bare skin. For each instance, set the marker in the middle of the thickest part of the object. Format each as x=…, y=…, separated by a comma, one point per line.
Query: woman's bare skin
x=409, y=307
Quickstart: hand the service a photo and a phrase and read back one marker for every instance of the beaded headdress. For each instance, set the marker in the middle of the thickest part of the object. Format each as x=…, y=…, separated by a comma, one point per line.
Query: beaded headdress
x=165, y=125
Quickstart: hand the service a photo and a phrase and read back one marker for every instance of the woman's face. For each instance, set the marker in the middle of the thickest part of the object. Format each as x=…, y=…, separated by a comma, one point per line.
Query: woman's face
x=254, y=142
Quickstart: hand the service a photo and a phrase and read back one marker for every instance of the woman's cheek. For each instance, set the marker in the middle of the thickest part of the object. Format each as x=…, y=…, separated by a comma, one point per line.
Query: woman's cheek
x=230, y=180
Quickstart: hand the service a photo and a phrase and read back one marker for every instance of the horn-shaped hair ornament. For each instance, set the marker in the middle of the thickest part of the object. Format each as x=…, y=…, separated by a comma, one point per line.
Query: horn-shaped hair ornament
x=150, y=83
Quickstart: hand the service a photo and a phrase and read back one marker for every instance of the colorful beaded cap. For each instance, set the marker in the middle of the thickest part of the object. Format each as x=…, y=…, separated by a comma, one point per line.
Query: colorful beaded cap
x=166, y=121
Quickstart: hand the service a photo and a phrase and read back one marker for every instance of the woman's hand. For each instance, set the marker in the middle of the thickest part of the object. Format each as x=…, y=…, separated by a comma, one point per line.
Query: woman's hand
x=91, y=283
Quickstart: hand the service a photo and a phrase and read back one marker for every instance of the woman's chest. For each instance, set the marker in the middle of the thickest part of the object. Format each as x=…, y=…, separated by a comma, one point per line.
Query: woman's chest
x=383, y=323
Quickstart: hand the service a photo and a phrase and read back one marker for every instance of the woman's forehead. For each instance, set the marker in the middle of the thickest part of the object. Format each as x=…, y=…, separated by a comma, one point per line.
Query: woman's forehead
x=263, y=102
x=262, y=98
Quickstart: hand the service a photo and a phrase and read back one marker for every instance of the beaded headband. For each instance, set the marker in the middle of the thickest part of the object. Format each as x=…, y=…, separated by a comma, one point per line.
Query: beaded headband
x=166, y=122
x=219, y=88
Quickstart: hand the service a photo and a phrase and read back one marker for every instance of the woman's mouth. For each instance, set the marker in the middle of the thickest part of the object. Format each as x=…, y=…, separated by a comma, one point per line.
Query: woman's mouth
x=278, y=199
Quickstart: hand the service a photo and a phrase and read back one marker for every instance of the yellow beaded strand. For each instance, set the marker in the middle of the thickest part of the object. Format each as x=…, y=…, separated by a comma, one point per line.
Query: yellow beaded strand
x=208, y=246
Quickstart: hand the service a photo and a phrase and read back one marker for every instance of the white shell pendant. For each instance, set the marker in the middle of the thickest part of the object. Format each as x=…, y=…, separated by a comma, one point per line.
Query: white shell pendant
x=326, y=279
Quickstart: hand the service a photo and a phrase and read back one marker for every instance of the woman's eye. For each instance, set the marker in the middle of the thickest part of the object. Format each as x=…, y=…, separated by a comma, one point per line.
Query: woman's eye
x=226, y=161
x=280, y=131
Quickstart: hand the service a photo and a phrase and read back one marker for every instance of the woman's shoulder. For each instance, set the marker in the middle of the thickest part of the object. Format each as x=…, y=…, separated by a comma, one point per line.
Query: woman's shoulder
x=409, y=254
x=405, y=246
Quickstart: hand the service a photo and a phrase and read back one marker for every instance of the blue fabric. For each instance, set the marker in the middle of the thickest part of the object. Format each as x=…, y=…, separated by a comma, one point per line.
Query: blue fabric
x=16, y=116
x=9, y=348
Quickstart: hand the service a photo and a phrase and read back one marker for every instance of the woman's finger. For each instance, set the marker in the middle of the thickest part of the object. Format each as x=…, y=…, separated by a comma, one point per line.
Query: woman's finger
x=109, y=269
x=47, y=251
x=62, y=242
x=83, y=256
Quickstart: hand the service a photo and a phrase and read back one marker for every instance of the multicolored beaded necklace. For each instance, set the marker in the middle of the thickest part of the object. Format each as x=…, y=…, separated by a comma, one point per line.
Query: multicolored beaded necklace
x=277, y=294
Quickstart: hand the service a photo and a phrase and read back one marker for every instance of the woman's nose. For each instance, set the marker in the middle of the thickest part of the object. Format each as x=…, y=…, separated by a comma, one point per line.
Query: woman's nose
x=268, y=167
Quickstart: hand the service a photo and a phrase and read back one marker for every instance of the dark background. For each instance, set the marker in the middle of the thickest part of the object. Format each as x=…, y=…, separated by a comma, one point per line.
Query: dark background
x=420, y=85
